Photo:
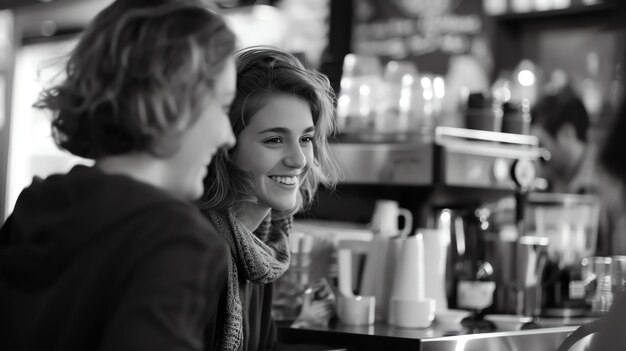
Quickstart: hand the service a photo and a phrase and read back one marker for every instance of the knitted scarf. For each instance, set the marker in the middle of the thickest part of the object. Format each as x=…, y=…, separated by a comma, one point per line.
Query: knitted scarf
x=260, y=257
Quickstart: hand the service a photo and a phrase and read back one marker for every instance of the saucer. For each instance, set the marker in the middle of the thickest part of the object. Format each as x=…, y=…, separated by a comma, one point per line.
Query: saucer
x=451, y=319
x=508, y=321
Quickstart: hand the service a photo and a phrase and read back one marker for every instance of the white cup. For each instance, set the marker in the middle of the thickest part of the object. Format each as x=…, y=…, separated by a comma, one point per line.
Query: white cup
x=411, y=313
x=385, y=219
x=356, y=310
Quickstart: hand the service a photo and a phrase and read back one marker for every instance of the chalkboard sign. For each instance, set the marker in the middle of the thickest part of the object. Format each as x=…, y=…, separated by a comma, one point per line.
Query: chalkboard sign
x=427, y=32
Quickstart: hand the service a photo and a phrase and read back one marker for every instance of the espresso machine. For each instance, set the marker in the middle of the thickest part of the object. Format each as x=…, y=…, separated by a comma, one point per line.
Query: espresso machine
x=536, y=252
x=490, y=246
x=452, y=172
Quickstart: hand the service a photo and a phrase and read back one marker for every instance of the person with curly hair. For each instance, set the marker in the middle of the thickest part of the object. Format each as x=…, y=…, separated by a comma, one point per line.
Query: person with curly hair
x=282, y=115
x=117, y=256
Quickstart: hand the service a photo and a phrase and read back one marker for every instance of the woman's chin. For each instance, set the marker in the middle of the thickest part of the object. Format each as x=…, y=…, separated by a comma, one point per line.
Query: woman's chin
x=284, y=206
x=278, y=203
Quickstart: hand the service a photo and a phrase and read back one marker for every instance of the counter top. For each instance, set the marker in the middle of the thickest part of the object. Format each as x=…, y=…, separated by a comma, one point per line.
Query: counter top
x=386, y=337
x=372, y=337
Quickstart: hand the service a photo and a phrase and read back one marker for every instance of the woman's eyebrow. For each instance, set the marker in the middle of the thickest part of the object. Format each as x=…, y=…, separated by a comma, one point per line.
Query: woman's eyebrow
x=283, y=130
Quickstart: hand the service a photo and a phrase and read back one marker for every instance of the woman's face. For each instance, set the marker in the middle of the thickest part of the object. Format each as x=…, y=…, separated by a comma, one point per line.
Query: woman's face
x=277, y=148
x=209, y=133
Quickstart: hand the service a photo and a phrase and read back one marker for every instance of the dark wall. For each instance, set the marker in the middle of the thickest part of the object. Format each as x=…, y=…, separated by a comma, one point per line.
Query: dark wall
x=338, y=40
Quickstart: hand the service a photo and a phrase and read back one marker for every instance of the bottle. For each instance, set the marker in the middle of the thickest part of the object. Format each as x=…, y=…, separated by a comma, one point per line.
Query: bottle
x=616, y=91
x=543, y=5
x=603, y=300
x=561, y=4
x=361, y=81
x=591, y=90
x=396, y=111
x=501, y=88
x=521, y=5
x=494, y=7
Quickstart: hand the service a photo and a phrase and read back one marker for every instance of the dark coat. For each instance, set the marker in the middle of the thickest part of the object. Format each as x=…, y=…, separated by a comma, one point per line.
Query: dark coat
x=90, y=261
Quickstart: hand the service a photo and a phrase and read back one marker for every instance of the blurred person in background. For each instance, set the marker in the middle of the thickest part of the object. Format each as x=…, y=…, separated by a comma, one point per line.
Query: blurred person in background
x=117, y=256
x=282, y=116
x=610, y=330
x=612, y=333
x=563, y=126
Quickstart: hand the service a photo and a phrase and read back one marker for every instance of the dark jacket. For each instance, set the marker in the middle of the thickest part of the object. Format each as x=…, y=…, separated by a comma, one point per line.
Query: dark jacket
x=260, y=331
x=90, y=261
x=259, y=326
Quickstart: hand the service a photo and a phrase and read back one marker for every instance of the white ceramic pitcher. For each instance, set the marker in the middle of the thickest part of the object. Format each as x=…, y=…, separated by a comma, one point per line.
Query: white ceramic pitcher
x=385, y=219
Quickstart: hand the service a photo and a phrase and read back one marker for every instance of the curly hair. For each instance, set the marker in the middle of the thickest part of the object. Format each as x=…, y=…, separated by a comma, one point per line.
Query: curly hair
x=263, y=72
x=137, y=76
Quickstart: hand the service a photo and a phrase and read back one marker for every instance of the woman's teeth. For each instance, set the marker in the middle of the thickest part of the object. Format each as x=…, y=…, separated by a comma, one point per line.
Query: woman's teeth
x=285, y=180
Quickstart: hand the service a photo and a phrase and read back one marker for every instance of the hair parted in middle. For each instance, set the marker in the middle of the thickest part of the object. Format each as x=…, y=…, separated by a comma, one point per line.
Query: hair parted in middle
x=262, y=73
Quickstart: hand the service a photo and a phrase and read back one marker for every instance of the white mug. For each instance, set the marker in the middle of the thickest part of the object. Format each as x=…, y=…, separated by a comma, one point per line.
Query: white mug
x=356, y=310
x=385, y=219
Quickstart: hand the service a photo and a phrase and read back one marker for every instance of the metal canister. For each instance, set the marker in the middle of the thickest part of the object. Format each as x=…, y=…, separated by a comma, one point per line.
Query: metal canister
x=516, y=118
x=483, y=113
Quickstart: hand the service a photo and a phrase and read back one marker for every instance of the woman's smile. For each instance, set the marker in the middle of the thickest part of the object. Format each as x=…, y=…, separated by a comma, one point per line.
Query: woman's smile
x=286, y=181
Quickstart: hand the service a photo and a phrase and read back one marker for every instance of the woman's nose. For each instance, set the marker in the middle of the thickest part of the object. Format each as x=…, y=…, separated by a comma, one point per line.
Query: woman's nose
x=295, y=158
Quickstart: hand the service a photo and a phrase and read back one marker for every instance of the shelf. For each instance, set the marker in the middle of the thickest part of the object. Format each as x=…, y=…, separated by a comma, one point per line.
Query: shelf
x=575, y=11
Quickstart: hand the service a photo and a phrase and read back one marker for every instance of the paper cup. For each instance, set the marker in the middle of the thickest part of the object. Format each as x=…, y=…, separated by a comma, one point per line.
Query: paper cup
x=356, y=310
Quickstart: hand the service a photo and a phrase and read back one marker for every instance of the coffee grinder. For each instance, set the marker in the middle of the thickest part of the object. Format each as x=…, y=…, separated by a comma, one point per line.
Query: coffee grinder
x=570, y=222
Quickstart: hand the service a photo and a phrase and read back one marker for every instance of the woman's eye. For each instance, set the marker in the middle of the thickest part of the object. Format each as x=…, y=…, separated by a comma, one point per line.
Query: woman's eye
x=306, y=139
x=275, y=140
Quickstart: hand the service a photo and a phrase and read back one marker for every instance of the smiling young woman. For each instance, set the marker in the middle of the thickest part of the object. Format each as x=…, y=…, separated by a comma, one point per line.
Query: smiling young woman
x=276, y=148
x=282, y=116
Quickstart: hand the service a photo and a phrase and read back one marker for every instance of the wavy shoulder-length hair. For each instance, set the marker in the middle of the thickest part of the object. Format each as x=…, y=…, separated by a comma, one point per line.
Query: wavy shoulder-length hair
x=137, y=77
x=262, y=73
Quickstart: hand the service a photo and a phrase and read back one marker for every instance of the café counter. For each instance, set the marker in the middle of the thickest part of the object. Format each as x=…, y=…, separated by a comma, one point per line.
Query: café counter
x=386, y=337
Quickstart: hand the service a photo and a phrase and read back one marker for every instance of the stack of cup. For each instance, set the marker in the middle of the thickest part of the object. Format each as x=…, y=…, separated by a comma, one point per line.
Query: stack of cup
x=436, y=245
x=409, y=308
x=381, y=258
